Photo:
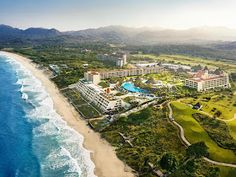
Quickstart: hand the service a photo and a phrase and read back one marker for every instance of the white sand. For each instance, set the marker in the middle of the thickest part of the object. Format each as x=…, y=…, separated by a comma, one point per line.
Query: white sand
x=103, y=155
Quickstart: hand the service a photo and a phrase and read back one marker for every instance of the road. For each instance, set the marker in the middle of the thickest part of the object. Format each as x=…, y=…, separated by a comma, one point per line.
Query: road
x=138, y=108
x=186, y=142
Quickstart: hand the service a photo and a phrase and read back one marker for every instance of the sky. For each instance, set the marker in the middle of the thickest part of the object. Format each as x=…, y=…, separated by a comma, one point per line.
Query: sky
x=81, y=14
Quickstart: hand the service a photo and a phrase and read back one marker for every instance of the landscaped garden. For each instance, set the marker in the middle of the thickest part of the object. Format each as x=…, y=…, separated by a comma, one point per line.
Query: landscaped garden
x=166, y=78
x=85, y=108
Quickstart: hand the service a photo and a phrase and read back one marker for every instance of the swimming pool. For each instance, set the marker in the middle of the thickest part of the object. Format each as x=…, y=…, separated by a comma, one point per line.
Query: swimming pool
x=132, y=88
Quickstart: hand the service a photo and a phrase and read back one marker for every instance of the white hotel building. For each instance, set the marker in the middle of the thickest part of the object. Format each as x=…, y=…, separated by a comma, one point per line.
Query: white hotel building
x=98, y=96
x=130, y=72
x=203, y=81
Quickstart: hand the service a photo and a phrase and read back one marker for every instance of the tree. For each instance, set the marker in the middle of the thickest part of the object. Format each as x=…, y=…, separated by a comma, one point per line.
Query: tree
x=138, y=82
x=214, y=172
x=151, y=80
x=197, y=67
x=190, y=167
x=197, y=150
x=169, y=162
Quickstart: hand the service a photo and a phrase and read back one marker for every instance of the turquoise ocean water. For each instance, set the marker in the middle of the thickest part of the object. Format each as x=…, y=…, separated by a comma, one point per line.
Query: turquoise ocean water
x=34, y=140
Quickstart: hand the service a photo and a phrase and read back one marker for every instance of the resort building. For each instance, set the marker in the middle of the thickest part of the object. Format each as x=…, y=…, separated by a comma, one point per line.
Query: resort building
x=145, y=64
x=175, y=67
x=121, y=61
x=130, y=72
x=96, y=77
x=117, y=58
x=203, y=81
x=55, y=69
x=92, y=76
x=100, y=97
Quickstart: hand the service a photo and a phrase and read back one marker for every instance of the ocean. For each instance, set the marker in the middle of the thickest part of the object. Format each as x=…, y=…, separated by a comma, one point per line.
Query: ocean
x=34, y=140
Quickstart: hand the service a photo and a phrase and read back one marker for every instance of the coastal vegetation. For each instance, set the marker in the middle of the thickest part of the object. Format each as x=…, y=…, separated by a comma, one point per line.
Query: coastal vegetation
x=69, y=59
x=147, y=137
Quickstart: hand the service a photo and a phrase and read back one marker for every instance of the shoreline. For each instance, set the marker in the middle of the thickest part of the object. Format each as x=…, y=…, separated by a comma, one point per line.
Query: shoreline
x=102, y=153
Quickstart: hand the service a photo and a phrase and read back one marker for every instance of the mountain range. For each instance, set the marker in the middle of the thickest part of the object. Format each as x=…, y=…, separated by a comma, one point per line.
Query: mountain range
x=125, y=35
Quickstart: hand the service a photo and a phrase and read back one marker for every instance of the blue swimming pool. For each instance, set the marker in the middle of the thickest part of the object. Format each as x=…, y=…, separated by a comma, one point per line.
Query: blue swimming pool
x=132, y=88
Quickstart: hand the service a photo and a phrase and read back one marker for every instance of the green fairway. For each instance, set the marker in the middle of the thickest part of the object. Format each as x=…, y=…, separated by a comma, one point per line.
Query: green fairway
x=223, y=102
x=227, y=171
x=195, y=133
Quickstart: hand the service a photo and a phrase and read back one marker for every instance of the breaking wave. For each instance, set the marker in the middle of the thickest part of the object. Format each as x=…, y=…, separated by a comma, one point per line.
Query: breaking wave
x=58, y=147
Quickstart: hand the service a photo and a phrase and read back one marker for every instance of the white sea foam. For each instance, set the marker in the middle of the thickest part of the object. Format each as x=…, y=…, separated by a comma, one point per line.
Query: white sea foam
x=24, y=96
x=58, y=147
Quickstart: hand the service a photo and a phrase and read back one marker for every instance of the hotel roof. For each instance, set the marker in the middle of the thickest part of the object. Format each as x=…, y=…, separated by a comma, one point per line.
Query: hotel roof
x=201, y=76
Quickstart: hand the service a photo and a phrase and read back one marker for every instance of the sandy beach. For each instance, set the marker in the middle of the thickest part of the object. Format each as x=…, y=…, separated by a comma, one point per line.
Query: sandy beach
x=102, y=153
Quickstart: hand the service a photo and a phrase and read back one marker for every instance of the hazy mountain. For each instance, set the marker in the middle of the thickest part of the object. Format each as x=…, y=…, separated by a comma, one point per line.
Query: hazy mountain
x=226, y=46
x=40, y=33
x=109, y=33
x=8, y=32
x=156, y=36
x=126, y=35
x=193, y=35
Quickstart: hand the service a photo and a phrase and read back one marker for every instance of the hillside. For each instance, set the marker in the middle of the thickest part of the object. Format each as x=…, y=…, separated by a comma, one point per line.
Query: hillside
x=8, y=32
x=126, y=35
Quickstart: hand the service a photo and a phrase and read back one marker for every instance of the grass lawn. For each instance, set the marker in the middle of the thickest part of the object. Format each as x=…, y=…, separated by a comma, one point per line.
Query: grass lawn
x=195, y=133
x=80, y=104
x=227, y=171
x=99, y=124
x=166, y=78
x=88, y=111
x=222, y=102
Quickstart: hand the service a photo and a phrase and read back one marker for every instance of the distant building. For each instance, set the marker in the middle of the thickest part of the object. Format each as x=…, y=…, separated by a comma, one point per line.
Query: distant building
x=130, y=72
x=119, y=59
x=176, y=66
x=100, y=97
x=140, y=65
x=203, y=81
x=85, y=65
x=93, y=77
x=55, y=69
x=197, y=106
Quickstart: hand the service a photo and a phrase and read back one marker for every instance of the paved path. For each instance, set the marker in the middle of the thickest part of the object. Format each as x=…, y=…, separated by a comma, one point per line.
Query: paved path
x=224, y=120
x=228, y=120
x=186, y=142
x=138, y=108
